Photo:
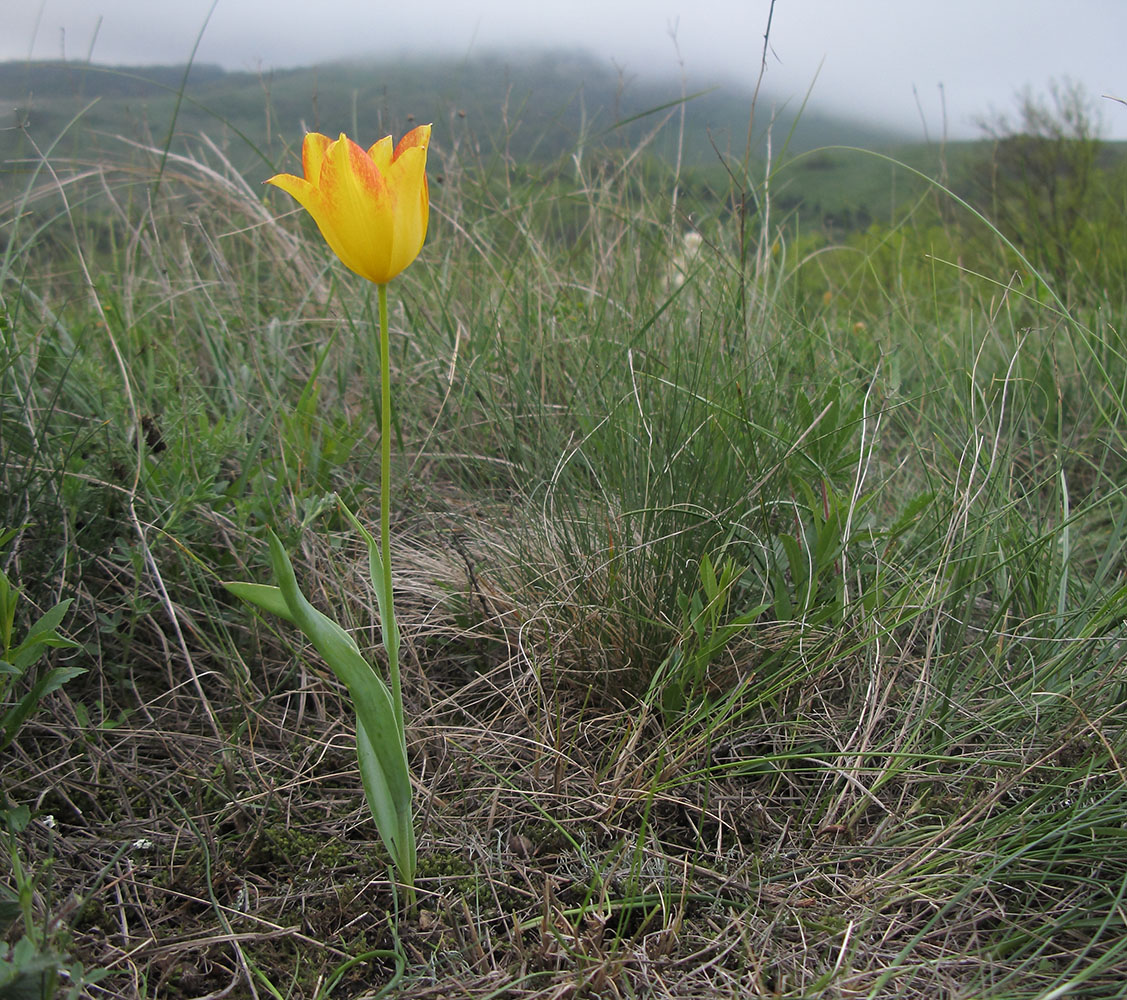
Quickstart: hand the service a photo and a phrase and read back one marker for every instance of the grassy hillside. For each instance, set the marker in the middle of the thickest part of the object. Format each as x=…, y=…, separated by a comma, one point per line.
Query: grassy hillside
x=528, y=109
x=573, y=92
x=763, y=595
x=531, y=109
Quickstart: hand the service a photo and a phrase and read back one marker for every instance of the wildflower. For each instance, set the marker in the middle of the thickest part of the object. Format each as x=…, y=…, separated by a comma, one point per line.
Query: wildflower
x=372, y=207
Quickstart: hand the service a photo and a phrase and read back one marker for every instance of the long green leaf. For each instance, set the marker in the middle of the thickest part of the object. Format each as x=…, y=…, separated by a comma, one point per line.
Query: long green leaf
x=389, y=627
x=370, y=697
x=379, y=798
x=262, y=596
x=377, y=791
x=14, y=718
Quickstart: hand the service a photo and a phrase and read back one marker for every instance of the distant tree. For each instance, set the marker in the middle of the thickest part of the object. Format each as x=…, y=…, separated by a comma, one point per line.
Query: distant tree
x=1042, y=173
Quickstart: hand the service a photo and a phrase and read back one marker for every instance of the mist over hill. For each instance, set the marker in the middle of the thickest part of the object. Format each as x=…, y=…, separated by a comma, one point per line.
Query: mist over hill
x=532, y=103
x=523, y=109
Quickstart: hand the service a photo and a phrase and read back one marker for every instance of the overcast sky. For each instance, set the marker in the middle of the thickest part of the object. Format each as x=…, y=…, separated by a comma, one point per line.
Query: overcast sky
x=863, y=57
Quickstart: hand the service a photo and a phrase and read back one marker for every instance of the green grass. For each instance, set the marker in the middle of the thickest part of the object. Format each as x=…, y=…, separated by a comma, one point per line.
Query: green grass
x=762, y=606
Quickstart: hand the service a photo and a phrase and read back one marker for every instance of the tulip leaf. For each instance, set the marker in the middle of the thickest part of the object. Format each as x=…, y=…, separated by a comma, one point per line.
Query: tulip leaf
x=389, y=627
x=262, y=596
x=396, y=829
x=380, y=745
x=383, y=744
x=376, y=788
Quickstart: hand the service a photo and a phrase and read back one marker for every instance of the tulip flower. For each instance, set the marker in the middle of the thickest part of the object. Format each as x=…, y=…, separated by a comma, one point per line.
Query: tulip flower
x=372, y=208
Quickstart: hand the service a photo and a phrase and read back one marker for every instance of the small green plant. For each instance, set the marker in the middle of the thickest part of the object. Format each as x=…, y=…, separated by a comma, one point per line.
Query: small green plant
x=30, y=969
x=806, y=571
x=17, y=660
x=705, y=634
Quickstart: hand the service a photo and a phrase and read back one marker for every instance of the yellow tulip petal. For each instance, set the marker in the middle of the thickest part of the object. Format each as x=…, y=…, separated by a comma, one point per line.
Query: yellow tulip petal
x=299, y=187
x=313, y=151
x=382, y=152
x=407, y=178
x=419, y=136
x=372, y=225
x=348, y=212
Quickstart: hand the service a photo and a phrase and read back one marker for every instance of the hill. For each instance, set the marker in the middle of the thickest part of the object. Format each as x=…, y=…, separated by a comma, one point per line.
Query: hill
x=538, y=104
x=526, y=108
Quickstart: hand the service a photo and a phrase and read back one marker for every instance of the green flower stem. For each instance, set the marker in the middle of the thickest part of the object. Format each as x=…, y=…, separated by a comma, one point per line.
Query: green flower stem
x=388, y=624
x=387, y=609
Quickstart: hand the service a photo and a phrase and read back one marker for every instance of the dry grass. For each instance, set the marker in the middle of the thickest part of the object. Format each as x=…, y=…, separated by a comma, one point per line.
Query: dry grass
x=569, y=846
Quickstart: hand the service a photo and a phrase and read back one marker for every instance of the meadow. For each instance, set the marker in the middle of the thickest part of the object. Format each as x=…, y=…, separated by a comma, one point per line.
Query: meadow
x=762, y=594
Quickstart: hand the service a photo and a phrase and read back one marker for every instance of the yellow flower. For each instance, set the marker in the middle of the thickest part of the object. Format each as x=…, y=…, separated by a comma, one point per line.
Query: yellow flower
x=372, y=208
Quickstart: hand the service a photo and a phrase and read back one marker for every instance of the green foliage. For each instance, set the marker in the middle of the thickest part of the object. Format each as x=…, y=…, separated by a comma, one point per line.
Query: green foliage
x=28, y=973
x=35, y=967
x=31, y=968
x=1046, y=188
x=17, y=659
x=1042, y=184
x=706, y=630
